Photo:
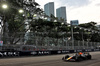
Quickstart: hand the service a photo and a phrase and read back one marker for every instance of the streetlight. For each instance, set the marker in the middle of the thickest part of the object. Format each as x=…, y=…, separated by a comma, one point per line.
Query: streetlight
x=21, y=11
x=4, y=6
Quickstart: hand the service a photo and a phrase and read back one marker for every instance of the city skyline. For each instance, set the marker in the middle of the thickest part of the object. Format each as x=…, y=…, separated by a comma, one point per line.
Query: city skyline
x=83, y=10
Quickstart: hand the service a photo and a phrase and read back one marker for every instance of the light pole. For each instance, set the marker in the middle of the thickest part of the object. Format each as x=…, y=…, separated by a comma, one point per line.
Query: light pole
x=0, y=27
x=83, y=39
x=72, y=37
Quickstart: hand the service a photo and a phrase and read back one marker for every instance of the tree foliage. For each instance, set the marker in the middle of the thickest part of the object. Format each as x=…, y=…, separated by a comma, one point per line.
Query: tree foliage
x=56, y=29
x=89, y=33
x=14, y=20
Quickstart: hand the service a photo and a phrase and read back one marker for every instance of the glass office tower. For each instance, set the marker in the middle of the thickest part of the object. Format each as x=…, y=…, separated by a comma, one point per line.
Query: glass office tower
x=49, y=8
x=61, y=13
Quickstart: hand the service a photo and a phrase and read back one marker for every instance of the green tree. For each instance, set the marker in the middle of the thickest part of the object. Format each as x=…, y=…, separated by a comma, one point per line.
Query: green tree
x=9, y=17
x=89, y=33
x=15, y=20
x=16, y=28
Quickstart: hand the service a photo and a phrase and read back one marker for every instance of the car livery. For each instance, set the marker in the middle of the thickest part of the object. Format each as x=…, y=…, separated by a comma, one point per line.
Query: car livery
x=77, y=57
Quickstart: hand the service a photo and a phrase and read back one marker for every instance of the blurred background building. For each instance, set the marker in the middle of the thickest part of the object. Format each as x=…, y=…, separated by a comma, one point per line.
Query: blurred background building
x=49, y=8
x=61, y=14
x=74, y=22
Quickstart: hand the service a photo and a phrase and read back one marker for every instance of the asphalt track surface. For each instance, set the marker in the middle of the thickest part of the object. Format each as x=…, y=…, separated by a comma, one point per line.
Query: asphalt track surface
x=51, y=60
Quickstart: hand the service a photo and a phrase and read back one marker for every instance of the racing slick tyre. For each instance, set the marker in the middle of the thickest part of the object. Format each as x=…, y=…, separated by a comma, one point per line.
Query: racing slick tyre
x=89, y=57
x=79, y=59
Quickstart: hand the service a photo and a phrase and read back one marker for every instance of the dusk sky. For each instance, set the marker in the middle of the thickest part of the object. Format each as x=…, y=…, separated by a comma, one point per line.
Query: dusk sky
x=82, y=10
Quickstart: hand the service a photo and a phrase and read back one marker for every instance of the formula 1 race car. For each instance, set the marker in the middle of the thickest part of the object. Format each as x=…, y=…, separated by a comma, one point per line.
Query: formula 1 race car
x=77, y=57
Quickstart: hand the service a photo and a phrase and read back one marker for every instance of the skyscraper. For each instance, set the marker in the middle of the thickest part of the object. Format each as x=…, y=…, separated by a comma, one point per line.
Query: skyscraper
x=61, y=13
x=49, y=8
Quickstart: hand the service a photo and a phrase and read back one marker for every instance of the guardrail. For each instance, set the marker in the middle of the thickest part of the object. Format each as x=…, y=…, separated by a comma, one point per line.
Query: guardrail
x=4, y=54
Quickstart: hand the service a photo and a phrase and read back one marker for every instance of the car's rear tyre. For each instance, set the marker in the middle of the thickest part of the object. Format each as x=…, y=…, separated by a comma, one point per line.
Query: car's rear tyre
x=79, y=58
x=89, y=57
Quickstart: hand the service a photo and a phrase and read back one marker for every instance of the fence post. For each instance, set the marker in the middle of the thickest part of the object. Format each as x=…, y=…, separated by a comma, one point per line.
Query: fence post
x=83, y=44
x=87, y=45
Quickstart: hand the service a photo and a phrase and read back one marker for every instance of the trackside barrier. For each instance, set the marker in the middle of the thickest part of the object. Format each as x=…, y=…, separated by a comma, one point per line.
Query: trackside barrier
x=9, y=53
x=49, y=52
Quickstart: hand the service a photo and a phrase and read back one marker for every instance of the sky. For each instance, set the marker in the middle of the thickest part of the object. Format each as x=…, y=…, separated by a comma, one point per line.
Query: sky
x=83, y=10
